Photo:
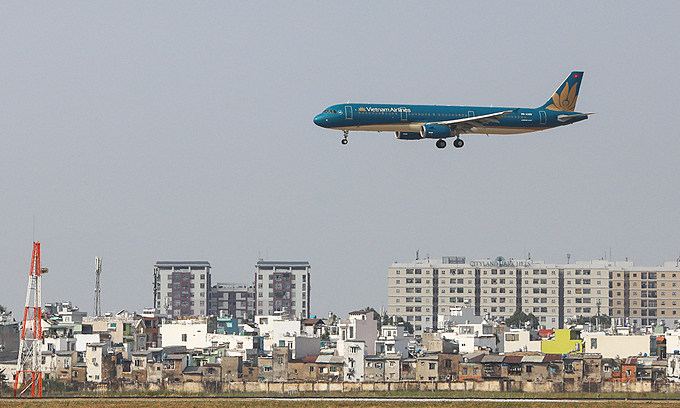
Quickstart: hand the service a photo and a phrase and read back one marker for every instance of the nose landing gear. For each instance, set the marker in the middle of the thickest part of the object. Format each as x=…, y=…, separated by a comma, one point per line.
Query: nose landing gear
x=345, y=134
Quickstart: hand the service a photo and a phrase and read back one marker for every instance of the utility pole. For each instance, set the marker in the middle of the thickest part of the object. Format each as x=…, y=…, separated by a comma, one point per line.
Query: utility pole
x=29, y=369
x=97, y=288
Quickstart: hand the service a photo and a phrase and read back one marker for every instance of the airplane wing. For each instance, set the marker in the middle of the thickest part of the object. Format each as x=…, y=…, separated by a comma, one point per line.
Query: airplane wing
x=464, y=125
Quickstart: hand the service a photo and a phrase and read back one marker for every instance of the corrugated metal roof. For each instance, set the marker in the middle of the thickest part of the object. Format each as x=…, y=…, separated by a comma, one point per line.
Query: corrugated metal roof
x=310, y=359
x=512, y=359
x=493, y=358
x=533, y=359
x=330, y=359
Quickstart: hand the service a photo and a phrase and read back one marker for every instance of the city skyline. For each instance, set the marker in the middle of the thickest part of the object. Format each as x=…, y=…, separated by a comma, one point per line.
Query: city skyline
x=145, y=132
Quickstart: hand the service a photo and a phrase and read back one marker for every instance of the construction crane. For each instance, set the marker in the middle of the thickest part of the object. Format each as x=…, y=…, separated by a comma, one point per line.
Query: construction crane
x=97, y=288
x=29, y=369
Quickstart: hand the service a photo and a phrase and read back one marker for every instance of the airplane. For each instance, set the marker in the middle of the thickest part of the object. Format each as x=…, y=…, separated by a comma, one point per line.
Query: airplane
x=416, y=122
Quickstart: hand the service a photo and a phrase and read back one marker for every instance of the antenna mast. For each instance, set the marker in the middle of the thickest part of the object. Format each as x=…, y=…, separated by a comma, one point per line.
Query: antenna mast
x=97, y=288
x=29, y=370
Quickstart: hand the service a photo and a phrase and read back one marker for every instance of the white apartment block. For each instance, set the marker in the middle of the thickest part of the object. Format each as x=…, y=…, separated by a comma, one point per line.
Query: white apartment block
x=182, y=288
x=282, y=287
x=419, y=291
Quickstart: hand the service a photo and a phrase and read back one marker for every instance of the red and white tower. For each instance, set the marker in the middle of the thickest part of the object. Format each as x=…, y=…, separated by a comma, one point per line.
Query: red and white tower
x=29, y=371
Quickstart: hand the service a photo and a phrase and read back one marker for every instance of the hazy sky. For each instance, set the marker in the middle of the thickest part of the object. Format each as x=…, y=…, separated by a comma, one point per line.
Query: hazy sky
x=146, y=131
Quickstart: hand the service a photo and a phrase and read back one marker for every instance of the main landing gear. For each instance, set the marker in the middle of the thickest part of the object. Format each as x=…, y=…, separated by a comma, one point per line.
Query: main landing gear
x=345, y=134
x=458, y=142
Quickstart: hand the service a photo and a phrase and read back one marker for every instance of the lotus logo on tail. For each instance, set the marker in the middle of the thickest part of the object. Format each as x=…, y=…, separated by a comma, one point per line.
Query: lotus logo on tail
x=566, y=100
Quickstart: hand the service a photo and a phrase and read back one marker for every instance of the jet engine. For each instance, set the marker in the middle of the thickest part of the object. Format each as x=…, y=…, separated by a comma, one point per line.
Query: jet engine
x=435, y=132
x=408, y=135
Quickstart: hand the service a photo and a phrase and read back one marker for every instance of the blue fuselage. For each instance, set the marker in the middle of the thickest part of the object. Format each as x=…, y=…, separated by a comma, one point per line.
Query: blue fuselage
x=411, y=118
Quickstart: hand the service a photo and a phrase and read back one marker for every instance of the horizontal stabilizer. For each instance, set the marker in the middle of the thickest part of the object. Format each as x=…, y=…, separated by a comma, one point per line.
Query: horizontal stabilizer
x=564, y=118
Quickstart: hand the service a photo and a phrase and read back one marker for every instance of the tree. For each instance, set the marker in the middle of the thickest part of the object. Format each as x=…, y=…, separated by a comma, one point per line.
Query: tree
x=407, y=325
x=3, y=309
x=604, y=320
x=519, y=318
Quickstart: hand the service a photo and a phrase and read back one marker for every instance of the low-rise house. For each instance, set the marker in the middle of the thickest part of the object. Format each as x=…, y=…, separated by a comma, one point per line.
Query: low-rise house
x=535, y=368
x=573, y=368
x=64, y=364
x=146, y=366
x=564, y=341
x=448, y=367
x=360, y=327
x=427, y=368
x=611, y=369
x=470, y=367
x=521, y=340
x=354, y=354
x=673, y=368
x=313, y=327
x=250, y=373
x=330, y=368
x=392, y=367
x=192, y=374
x=298, y=370
x=394, y=340
x=232, y=368
x=629, y=369
x=374, y=371
x=79, y=372
x=644, y=371
x=514, y=366
x=555, y=368
x=659, y=370
x=173, y=367
x=212, y=372
x=494, y=368
x=612, y=346
x=409, y=369
x=434, y=342
x=301, y=346
x=94, y=358
x=592, y=367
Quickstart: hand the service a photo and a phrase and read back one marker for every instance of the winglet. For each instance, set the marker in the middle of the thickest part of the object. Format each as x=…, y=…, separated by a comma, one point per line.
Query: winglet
x=564, y=98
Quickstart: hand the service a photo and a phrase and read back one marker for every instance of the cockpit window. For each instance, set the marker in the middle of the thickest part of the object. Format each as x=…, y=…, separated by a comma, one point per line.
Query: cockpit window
x=330, y=111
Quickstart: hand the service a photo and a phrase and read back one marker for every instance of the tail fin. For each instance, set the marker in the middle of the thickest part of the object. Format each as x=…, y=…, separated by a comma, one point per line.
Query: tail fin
x=564, y=98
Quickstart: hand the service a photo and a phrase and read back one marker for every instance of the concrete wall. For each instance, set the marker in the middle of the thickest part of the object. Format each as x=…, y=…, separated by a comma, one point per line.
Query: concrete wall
x=412, y=386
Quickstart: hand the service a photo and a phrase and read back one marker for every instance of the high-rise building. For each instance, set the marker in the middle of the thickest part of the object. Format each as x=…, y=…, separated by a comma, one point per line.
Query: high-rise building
x=644, y=296
x=182, y=287
x=232, y=300
x=423, y=292
x=282, y=287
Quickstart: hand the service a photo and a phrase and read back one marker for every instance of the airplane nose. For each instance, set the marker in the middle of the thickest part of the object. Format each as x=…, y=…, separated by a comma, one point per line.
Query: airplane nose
x=319, y=120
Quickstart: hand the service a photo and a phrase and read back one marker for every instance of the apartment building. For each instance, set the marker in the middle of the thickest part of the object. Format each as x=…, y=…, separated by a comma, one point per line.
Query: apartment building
x=181, y=288
x=282, y=287
x=643, y=296
x=232, y=300
x=423, y=290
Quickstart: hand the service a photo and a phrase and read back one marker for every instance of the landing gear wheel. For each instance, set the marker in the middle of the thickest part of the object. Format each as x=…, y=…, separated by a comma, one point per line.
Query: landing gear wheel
x=345, y=133
x=345, y=141
x=441, y=143
x=458, y=143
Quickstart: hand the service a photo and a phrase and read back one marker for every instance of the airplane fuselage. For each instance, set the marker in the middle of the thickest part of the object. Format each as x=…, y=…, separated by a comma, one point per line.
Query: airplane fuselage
x=411, y=118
